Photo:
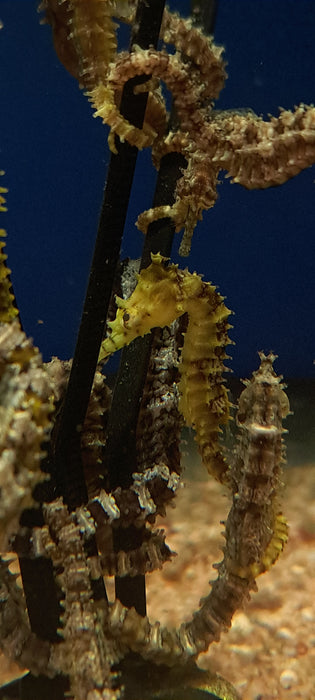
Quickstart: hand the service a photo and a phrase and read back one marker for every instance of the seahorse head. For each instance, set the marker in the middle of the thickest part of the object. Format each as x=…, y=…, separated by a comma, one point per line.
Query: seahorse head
x=155, y=302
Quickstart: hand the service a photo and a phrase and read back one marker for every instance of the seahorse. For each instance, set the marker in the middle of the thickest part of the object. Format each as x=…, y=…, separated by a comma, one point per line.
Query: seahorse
x=256, y=530
x=84, y=35
x=255, y=475
x=25, y=407
x=163, y=294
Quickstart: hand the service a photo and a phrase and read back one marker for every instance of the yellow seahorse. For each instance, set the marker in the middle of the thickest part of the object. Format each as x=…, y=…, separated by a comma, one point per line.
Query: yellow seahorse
x=162, y=295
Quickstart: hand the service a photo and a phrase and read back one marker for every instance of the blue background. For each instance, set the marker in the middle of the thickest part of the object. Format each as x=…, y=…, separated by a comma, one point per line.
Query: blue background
x=258, y=247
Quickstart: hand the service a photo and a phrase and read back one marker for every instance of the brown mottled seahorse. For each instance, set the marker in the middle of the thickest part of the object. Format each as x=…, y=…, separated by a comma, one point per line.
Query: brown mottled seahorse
x=162, y=295
x=255, y=533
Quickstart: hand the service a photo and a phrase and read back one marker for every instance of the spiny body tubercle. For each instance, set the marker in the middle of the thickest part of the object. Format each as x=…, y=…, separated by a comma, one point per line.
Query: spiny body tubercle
x=162, y=295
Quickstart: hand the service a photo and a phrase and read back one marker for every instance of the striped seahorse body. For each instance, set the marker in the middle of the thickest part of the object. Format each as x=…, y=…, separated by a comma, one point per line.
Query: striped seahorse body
x=256, y=474
x=203, y=396
x=162, y=295
x=256, y=530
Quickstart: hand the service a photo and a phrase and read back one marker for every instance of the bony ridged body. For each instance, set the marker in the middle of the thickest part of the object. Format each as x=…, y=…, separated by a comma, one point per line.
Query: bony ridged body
x=162, y=295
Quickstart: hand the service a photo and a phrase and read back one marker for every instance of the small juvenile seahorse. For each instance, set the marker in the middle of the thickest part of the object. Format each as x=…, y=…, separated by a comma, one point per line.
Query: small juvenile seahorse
x=162, y=295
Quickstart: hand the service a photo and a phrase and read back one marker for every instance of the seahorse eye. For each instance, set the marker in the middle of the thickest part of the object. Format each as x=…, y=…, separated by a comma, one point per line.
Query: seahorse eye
x=126, y=317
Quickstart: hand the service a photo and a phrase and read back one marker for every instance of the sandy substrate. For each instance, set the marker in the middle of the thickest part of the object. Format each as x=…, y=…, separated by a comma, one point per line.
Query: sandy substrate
x=270, y=650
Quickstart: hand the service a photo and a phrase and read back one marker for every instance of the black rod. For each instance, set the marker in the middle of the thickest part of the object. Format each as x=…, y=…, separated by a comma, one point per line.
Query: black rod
x=121, y=452
x=120, y=446
x=69, y=471
x=121, y=457
x=67, y=468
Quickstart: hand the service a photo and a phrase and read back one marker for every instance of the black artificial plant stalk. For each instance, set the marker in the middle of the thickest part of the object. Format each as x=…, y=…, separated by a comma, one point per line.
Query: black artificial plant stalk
x=66, y=466
x=69, y=473
x=121, y=453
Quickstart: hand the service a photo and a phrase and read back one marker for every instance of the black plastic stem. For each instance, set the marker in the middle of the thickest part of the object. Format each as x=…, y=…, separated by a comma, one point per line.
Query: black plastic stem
x=121, y=458
x=68, y=469
x=122, y=424
x=121, y=454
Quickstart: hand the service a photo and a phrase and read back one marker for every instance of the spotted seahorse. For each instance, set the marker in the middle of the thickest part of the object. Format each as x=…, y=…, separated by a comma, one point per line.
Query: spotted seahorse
x=163, y=294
